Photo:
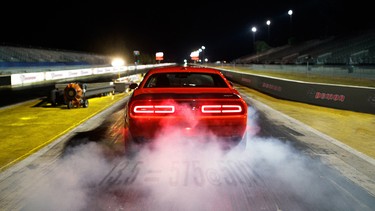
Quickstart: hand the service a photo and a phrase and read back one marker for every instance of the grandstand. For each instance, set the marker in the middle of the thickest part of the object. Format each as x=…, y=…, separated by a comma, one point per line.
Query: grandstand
x=344, y=50
x=351, y=49
x=13, y=59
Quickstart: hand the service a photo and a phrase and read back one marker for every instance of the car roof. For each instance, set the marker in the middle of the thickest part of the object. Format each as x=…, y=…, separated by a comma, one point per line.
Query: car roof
x=197, y=69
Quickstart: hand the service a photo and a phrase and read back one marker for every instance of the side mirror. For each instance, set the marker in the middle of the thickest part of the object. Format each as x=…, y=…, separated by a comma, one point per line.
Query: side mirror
x=133, y=85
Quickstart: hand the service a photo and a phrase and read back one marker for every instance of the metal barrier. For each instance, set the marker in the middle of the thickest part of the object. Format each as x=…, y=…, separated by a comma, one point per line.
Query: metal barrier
x=361, y=99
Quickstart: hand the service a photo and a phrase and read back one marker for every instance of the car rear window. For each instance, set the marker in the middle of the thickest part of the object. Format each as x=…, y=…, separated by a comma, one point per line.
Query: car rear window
x=185, y=80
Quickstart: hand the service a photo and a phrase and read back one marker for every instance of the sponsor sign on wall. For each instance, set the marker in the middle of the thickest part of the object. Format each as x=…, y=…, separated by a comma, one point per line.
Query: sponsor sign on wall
x=25, y=78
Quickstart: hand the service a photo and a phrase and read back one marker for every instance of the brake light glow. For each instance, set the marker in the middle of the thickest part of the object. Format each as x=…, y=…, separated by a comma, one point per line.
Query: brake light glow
x=211, y=109
x=221, y=109
x=161, y=109
x=164, y=109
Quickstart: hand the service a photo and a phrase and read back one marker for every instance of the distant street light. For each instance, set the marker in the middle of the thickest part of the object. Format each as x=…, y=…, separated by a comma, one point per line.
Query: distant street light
x=290, y=13
x=203, y=48
x=254, y=29
x=268, y=22
x=200, y=51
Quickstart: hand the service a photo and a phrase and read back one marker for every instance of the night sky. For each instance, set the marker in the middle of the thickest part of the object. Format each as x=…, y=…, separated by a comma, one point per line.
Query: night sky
x=176, y=28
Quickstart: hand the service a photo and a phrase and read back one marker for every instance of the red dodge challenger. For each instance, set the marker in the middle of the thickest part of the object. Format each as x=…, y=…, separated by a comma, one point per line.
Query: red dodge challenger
x=195, y=101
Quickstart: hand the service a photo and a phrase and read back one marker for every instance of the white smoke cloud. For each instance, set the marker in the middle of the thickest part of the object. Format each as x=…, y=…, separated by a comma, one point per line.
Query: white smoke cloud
x=66, y=187
x=181, y=174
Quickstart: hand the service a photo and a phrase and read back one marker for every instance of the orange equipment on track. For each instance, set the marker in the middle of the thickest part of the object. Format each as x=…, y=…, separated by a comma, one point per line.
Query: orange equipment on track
x=74, y=95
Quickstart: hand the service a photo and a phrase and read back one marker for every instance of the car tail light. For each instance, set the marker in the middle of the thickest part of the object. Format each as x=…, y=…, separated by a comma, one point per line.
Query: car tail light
x=147, y=109
x=221, y=109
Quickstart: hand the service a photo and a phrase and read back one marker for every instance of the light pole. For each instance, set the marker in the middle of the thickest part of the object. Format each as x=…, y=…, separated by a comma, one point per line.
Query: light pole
x=268, y=22
x=203, y=48
x=290, y=13
x=200, y=51
x=254, y=29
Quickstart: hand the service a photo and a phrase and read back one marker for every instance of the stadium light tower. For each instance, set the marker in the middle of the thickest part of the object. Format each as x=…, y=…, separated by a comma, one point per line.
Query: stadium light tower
x=290, y=13
x=268, y=22
x=254, y=29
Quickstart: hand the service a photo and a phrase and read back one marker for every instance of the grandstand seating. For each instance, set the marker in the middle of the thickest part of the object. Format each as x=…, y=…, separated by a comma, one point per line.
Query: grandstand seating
x=13, y=57
x=350, y=49
x=353, y=49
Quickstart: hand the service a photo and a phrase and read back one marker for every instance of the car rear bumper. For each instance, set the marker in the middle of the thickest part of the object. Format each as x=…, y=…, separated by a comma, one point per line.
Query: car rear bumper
x=224, y=128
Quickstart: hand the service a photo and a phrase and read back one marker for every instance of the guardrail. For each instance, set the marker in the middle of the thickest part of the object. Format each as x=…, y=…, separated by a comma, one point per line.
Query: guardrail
x=353, y=98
